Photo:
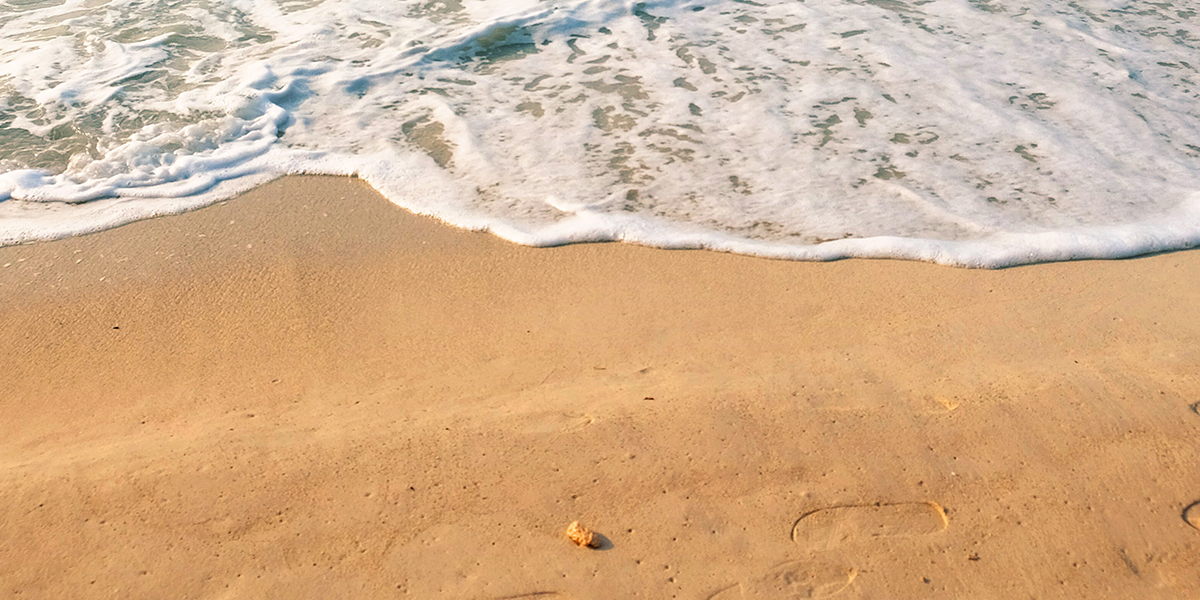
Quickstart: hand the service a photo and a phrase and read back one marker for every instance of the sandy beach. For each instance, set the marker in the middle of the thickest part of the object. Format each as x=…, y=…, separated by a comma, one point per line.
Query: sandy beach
x=307, y=392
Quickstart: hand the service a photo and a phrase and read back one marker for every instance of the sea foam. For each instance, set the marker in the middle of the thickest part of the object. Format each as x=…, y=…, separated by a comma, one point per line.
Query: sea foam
x=971, y=133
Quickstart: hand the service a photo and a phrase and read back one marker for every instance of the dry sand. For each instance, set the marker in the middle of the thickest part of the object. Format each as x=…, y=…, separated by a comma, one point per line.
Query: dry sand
x=309, y=393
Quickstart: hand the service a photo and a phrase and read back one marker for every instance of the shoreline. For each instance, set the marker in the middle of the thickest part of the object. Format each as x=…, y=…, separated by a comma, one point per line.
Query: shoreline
x=306, y=391
x=1176, y=231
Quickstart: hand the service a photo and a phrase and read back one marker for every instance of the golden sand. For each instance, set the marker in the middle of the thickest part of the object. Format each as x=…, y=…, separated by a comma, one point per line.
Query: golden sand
x=306, y=392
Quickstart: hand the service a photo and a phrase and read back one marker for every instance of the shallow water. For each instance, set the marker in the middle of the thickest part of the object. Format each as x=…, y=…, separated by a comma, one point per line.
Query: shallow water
x=963, y=132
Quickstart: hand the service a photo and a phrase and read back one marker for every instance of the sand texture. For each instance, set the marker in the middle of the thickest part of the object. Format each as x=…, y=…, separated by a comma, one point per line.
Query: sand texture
x=307, y=392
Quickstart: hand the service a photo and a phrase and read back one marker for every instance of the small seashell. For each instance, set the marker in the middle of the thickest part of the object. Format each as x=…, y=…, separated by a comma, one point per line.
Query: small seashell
x=1191, y=514
x=582, y=536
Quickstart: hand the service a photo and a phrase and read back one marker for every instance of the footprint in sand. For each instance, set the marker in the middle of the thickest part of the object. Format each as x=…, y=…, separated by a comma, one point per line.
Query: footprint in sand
x=793, y=580
x=1191, y=514
x=558, y=423
x=828, y=527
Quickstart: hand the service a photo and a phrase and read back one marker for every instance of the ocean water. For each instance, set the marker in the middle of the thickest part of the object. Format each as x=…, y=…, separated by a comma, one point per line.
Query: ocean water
x=981, y=133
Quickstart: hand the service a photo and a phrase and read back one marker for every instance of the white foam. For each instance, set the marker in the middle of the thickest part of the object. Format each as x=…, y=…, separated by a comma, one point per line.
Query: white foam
x=957, y=132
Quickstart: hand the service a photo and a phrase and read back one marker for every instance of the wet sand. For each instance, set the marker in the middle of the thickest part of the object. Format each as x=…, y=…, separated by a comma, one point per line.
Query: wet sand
x=306, y=392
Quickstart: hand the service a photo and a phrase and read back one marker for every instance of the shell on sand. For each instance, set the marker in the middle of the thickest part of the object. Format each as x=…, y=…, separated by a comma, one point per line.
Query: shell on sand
x=1191, y=514
x=582, y=536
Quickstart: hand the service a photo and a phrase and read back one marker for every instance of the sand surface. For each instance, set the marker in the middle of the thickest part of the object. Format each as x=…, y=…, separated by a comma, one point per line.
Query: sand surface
x=306, y=392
